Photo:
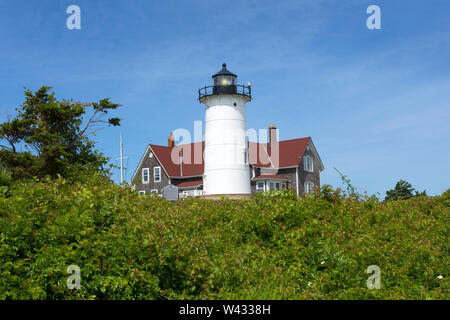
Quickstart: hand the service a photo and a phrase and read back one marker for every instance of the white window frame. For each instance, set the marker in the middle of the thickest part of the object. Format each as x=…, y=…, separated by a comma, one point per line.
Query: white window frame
x=154, y=191
x=148, y=176
x=154, y=174
x=141, y=192
x=306, y=161
x=260, y=189
x=309, y=187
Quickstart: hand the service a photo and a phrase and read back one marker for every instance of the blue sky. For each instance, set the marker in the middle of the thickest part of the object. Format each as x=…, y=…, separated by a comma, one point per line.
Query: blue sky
x=375, y=102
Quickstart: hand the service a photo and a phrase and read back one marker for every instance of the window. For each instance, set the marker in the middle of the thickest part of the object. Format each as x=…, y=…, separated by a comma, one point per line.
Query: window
x=154, y=191
x=259, y=186
x=141, y=192
x=308, y=163
x=278, y=186
x=145, y=175
x=271, y=186
x=309, y=186
x=157, y=174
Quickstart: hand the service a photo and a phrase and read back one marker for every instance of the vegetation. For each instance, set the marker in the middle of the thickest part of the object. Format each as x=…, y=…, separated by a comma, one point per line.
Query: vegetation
x=403, y=190
x=58, y=208
x=54, y=133
x=274, y=246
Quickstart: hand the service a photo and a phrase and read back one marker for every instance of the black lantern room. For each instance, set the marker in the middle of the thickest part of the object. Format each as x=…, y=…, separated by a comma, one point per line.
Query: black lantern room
x=224, y=82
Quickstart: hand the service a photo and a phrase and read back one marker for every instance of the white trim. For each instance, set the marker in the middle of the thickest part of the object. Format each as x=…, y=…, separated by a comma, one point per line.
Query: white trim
x=154, y=191
x=296, y=180
x=263, y=186
x=141, y=192
x=154, y=174
x=148, y=176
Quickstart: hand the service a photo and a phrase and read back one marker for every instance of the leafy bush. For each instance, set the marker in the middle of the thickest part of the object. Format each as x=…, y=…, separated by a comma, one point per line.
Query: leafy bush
x=274, y=246
x=57, y=135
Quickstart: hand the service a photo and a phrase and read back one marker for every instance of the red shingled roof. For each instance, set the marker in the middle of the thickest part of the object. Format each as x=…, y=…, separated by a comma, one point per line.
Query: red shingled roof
x=190, y=184
x=290, y=153
x=170, y=159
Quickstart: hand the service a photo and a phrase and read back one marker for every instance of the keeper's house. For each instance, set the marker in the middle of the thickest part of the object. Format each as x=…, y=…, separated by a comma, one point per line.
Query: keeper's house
x=299, y=168
x=226, y=163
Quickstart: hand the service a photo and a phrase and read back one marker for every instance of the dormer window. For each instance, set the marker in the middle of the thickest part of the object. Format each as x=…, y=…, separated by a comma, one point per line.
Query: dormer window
x=308, y=164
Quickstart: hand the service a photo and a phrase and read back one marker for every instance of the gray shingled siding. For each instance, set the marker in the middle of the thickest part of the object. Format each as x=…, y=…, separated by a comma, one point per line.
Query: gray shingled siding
x=291, y=175
x=150, y=163
x=304, y=176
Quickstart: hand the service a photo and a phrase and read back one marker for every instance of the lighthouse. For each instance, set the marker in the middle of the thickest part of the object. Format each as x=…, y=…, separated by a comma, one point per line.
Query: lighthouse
x=226, y=169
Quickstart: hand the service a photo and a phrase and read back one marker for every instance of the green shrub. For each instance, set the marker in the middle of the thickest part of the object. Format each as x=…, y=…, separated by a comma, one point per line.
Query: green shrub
x=273, y=246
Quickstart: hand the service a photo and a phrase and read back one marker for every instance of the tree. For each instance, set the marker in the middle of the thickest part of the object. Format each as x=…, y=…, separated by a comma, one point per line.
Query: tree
x=55, y=134
x=403, y=190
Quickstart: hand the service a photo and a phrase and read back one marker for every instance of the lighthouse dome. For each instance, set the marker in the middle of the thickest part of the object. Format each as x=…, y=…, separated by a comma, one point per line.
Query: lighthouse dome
x=224, y=77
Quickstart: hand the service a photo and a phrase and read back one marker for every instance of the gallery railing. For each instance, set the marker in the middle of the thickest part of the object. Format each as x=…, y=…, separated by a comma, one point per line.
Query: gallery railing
x=229, y=89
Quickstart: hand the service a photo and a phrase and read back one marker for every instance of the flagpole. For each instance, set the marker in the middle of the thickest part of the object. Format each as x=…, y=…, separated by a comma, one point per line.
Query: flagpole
x=121, y=159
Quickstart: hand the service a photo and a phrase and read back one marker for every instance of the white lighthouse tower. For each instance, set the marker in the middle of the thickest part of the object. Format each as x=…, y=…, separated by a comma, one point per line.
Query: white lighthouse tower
x=226, y=150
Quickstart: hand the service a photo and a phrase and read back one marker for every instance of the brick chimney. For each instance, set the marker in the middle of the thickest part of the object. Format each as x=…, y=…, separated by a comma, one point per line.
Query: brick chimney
x=170, y=141
x=272, y=134
x=273, y=148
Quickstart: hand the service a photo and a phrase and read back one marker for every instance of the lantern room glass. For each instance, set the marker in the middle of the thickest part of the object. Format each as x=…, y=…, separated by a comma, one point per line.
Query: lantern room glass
x=224, y=80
